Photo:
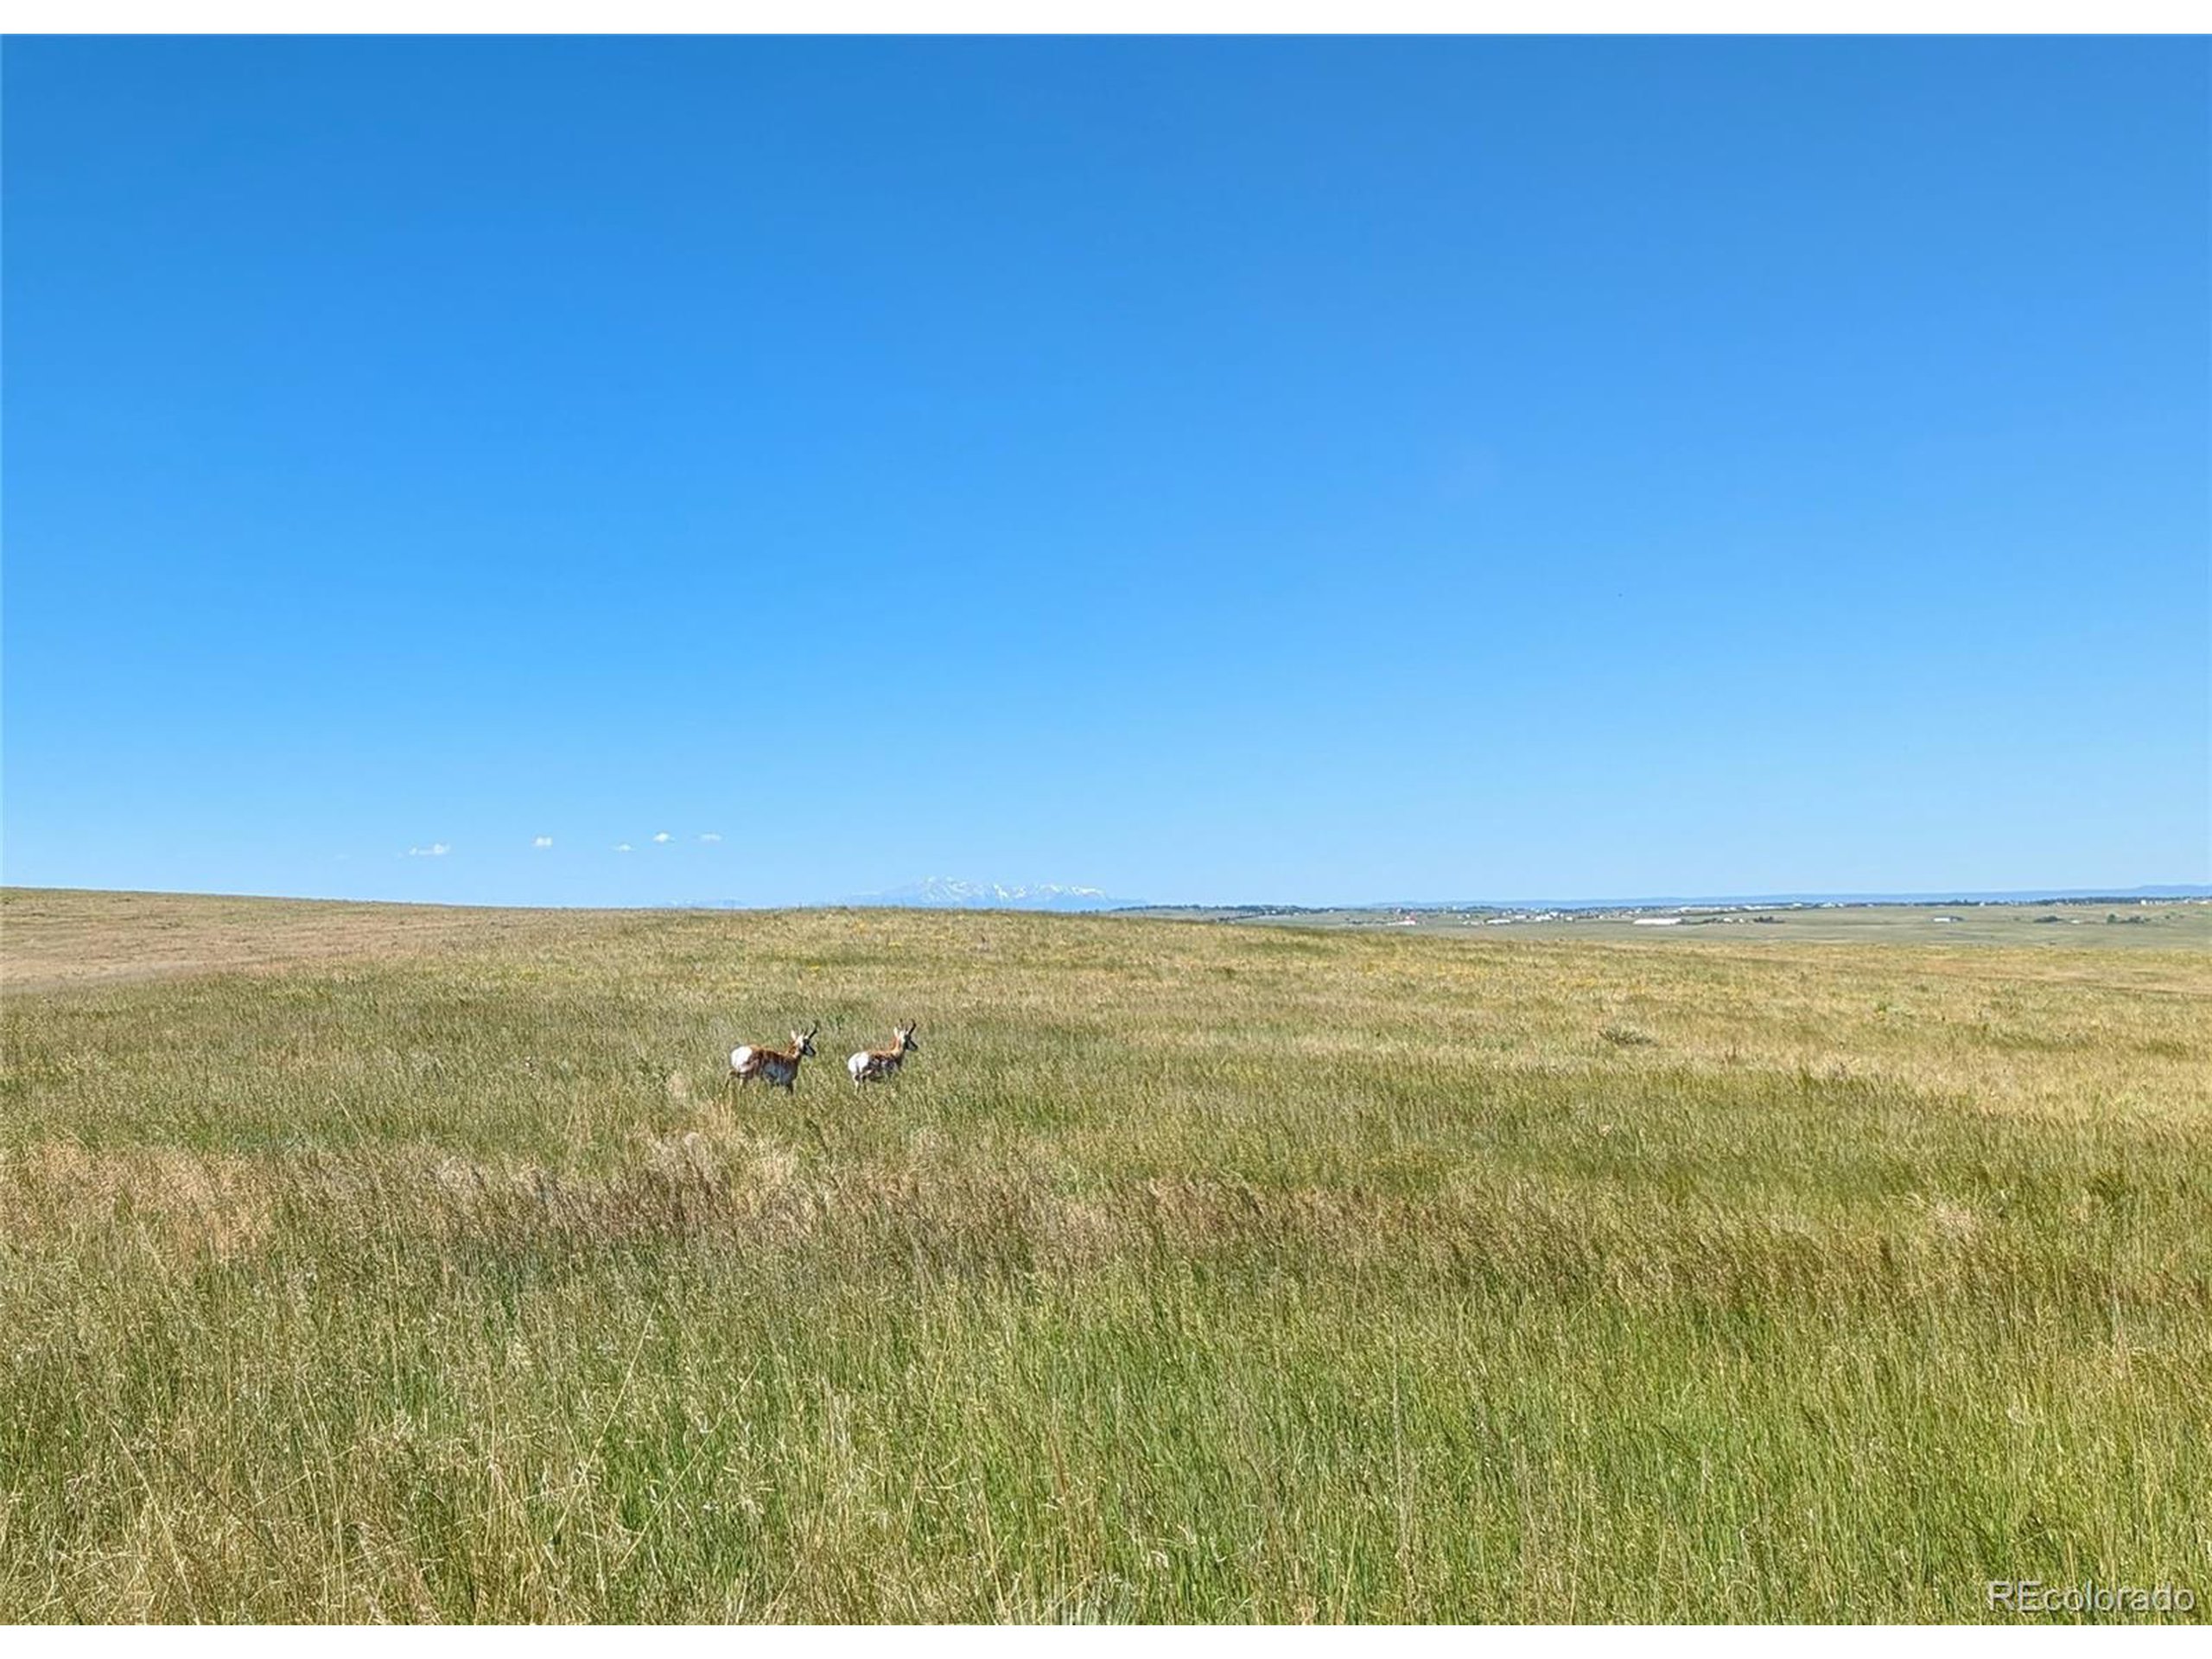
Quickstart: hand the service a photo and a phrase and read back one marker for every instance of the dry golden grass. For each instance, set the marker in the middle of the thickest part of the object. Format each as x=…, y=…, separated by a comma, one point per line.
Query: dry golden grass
x=359, y=1264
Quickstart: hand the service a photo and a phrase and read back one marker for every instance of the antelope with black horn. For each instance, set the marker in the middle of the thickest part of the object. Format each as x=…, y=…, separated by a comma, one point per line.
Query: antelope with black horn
x=878, y=1064
x=779, y=1066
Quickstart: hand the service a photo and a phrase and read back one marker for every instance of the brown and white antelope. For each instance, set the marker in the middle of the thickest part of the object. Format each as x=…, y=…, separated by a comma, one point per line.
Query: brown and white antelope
x=773, y=1065
x=880, y=1063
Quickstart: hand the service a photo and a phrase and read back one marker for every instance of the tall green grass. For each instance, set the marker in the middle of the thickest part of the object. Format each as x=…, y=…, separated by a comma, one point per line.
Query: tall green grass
x=1188, y=1273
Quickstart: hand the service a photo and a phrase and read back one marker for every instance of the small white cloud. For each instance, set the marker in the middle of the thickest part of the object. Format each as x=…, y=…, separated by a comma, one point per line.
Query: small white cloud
x=435, y=849
x=541, y=840
x=710, y=837
x=622, y=847
x=662, y=837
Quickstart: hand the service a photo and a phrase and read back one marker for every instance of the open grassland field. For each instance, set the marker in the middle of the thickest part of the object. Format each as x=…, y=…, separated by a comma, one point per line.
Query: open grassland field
x=364, y=1263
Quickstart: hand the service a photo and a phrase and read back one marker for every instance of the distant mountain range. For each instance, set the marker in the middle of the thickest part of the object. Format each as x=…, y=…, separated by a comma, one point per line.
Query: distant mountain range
x=948, y=893
x=2023, y=896
x=944, y=892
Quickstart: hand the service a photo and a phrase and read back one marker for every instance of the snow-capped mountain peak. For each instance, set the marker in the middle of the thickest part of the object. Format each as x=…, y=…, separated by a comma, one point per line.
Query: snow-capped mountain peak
x=950, y=893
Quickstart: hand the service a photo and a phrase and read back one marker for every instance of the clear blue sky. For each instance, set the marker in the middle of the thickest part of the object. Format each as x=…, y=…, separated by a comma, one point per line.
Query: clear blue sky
x=1228, y=470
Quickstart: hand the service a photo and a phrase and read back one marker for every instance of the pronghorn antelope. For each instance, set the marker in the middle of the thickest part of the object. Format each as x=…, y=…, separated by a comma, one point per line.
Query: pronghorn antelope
x=776, y=1065
x=879, y=1062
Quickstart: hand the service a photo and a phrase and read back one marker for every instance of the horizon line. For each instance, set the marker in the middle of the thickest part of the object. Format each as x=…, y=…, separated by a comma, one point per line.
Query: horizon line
x=2182, y=891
